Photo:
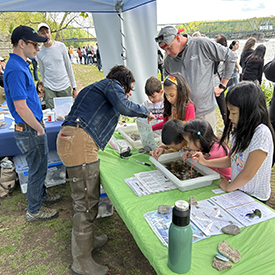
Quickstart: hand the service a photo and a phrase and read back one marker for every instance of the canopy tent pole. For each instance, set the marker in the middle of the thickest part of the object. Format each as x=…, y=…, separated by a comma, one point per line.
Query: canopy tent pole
x=119, y=9
x=129, y=40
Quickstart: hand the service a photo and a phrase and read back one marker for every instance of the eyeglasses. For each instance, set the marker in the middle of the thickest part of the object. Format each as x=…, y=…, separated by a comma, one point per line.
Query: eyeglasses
x=172, y=79
x=36, y=45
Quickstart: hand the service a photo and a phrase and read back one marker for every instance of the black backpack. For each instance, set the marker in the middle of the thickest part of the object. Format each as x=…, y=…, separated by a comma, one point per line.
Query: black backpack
x=269, y=70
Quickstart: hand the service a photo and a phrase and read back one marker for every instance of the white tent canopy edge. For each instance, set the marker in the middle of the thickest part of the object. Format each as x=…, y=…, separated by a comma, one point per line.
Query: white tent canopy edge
x=139, y=27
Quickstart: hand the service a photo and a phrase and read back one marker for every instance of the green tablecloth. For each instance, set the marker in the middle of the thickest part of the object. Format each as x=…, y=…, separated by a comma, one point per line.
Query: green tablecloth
x=256, y=243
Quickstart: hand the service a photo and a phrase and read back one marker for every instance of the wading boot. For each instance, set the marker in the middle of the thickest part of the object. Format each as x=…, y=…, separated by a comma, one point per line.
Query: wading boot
x=99, y=241
x=83, y=263
x=85, y=192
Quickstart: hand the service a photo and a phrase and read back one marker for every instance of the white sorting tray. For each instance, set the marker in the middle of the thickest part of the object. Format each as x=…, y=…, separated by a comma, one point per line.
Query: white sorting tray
x=184, y=185
x=129, y=128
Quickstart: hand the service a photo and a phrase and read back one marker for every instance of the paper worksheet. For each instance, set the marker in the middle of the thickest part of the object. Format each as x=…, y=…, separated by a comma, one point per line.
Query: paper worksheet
x=211, y=218
x=160, y=224
x=145, y=183
x=62, y=106
x=146, y=133
x=239, y=204
x=155, y=181
x=136, y=186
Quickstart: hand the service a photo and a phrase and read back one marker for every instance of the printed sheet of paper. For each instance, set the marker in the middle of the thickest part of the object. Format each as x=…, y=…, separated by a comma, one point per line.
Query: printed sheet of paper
x=155, y=181
x=160, y=224
x=239, y=204
x=218, y=191
x=240, y=213
x=211, y=218
x=232, y=199
x=136, y=186
x=62, y=105
x=145, y=183
x=146, y=133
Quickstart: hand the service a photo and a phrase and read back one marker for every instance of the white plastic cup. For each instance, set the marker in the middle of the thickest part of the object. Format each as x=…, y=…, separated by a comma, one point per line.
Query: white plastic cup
x=51, y=116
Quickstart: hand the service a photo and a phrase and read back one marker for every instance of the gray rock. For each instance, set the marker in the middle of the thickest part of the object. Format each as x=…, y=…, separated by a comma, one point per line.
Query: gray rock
x=231, y=253
x=220, y=265
x=193, y=201
x=231, y=229
x=164, y=209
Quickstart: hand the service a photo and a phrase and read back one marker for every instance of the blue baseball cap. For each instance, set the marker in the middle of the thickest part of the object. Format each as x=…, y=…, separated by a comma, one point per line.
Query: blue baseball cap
x=26, y=33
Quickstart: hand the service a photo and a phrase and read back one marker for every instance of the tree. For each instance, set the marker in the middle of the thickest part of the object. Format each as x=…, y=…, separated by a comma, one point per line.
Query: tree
x=56, y=21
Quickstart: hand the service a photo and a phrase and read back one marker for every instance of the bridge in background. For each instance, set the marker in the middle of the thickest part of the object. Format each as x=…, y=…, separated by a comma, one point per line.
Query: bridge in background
x=76, y=35
x=232, y=29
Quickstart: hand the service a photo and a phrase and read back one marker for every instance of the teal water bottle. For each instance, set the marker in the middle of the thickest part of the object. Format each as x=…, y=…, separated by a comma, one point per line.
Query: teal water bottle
x=180, y=238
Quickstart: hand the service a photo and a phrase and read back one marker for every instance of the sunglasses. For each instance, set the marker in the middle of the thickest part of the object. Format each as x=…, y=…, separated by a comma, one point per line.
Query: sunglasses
x=161, y=37
x=36, y=45
x=172, y=79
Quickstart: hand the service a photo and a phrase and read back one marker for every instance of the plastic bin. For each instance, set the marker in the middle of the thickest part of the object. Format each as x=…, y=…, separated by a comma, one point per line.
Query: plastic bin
x=56, y=173
x=208, y=174
x=129, y=128
x=105, y=207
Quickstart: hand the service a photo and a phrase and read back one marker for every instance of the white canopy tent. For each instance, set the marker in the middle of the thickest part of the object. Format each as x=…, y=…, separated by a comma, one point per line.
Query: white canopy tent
x=125, y=31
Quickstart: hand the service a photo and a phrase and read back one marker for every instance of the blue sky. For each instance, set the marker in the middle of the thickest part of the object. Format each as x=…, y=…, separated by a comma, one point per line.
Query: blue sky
x=183, y=11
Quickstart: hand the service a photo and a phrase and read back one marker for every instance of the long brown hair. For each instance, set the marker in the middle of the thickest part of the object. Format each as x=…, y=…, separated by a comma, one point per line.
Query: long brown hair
x=249, y=44
x=183, y=96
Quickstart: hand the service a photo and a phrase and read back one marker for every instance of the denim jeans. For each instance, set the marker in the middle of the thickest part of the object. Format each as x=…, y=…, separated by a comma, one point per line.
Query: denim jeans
x=90, y=60
x=86, y=60
x=35, y=149
x=236, y=80
x=99, y=65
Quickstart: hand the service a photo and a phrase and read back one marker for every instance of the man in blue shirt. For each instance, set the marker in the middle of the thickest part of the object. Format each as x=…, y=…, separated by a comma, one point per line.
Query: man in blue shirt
x=24, y=105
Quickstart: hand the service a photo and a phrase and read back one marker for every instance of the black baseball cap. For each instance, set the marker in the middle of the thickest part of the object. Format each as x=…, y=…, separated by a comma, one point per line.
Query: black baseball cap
x=26, y=33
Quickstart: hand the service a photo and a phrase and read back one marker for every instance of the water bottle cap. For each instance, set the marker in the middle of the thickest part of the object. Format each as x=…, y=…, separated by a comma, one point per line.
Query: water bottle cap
x=182, y=205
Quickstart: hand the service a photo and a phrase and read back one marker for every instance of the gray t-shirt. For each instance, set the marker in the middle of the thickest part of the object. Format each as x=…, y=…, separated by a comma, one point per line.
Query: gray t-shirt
x=55, y=67
x=196, y=64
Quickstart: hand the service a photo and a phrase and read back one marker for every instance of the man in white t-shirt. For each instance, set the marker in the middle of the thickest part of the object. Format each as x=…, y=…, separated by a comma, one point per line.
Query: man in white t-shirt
x=55, y=68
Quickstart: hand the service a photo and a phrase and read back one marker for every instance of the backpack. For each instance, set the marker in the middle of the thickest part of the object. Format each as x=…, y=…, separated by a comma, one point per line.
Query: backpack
x=269, y=70
x=8, y=177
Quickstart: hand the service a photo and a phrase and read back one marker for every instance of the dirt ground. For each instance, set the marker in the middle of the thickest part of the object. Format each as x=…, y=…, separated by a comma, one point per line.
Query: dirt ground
x=45, y=248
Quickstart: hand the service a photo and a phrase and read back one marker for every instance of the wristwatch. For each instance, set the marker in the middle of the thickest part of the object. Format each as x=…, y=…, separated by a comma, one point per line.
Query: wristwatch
x=221, y=86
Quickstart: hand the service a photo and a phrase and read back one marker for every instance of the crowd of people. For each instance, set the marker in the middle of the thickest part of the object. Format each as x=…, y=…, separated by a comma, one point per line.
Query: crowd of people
x=89, y=55
x=195, y=75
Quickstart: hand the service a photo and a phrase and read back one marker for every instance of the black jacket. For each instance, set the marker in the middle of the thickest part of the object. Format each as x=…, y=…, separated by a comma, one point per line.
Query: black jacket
x=244, y=56
x=253, y=70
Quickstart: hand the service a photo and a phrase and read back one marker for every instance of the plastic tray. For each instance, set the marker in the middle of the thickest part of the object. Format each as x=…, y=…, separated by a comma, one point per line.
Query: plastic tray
x=130, y=128
x=184, y=185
